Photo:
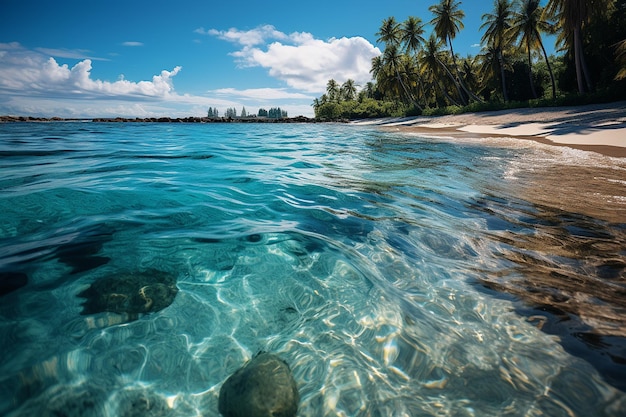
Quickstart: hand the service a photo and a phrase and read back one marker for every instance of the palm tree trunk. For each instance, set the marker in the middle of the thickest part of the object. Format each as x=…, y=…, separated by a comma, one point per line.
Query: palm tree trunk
x=580, y=58
x=584, y=66
x=409, y=96
x=577, y=60
x=458, y=82
x=505, y=93
x=446, y=95
x=545, y=56
x=454, y=81
x=420, y=84
x=530, y=72
x=465, y=89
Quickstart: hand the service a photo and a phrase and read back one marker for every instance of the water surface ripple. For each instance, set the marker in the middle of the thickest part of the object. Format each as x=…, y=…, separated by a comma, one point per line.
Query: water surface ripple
x=396, y=275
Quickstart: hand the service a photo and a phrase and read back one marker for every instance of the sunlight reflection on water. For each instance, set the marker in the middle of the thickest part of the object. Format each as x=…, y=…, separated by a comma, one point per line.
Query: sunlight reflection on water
x=360, y=258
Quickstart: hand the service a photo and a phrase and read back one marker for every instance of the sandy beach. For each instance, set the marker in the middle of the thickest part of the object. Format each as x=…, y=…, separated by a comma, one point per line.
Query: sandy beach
x=599, y=127
x=591, y=183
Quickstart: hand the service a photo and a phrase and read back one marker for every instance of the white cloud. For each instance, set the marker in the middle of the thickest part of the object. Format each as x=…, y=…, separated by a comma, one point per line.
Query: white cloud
x=257, y=36
x=132, y=43
x=10, y=45
x=26, y=72
x=300, y=60
x=310, y=65
x=36, y=84
x=69, y=53
x=263, y=93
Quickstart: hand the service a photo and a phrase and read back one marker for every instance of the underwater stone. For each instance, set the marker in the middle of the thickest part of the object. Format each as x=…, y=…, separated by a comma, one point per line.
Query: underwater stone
x=134, y=293
x=141, y=404
x=264, y=387
x=254, y=238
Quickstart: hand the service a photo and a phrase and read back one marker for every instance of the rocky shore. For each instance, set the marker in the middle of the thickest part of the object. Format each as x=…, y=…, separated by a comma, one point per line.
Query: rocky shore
x=15, y=119
x=298, y=119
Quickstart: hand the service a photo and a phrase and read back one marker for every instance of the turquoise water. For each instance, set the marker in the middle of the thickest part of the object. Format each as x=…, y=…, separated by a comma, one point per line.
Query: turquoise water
x=389, y=271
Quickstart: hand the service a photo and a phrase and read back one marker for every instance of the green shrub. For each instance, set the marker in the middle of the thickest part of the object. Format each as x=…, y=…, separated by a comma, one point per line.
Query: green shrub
x=369, y=108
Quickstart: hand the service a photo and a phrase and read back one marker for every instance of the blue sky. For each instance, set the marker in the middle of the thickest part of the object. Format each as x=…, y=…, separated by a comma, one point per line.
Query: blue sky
x=136, y=58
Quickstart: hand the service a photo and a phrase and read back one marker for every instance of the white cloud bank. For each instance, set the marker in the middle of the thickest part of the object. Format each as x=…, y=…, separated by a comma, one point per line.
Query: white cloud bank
x=300, y=60
x=25, y=72
x=248, y=38
x=34, y=83
x=70, y=53
x=263, y=93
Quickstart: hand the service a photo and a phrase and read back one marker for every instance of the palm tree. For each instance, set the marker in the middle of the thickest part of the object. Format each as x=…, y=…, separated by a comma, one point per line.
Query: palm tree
x=387, y=69
x=448, y=21
x=332, y=90
x=377, y=66
x=412, y=37
x=389, y=32
x=367, y=92
x=498, y=34
x=528, y=24
x=431, y=58
x=567, y=13
x=412, y=34
x=385, y=79
x=489, y=61
x=395, y=63
x=316, y=104
x=470, y=73
x=572, y=16
x=348, y=90
x=369, y=89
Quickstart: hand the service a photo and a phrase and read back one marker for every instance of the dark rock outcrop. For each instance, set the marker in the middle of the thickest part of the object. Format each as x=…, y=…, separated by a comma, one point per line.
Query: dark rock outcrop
x=297, y=119
x=136, y=293
x=263, y=387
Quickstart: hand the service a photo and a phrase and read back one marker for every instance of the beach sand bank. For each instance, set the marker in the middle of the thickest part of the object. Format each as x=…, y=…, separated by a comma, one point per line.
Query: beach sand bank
x=591, y=183
x=599, y=127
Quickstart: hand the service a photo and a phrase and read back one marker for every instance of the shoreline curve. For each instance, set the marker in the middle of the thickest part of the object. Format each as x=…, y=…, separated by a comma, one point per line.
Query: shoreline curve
x=596, y=127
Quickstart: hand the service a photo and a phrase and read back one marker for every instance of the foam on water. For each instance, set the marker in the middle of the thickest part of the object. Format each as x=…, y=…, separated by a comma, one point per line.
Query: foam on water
x=359, y=257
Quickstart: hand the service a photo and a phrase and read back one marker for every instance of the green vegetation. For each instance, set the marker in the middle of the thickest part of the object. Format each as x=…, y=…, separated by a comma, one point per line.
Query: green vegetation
x=273, y=113
x=231, y=113
x=421, y=75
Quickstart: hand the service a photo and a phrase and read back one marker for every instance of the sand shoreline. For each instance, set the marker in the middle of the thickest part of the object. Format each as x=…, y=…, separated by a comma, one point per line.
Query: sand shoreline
x=592, y=185
x=598, y=127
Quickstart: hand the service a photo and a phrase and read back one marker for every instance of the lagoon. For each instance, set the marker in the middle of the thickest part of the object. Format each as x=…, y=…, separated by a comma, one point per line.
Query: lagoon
x=395, y=274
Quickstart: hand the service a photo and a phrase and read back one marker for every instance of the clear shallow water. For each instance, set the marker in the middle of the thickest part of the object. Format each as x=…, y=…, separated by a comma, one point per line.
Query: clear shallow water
x=392, y=273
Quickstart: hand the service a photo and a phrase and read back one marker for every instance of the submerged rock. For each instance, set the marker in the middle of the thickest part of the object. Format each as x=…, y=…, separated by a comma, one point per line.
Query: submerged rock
x=141, y=292
x=141, y=403
x=264, y=387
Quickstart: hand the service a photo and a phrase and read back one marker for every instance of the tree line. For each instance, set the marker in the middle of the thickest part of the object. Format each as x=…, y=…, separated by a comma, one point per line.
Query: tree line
x=231, y=113
x=421, y=74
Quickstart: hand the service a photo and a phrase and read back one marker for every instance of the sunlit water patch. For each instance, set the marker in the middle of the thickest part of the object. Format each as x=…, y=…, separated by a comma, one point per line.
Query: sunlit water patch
x=143, y=264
